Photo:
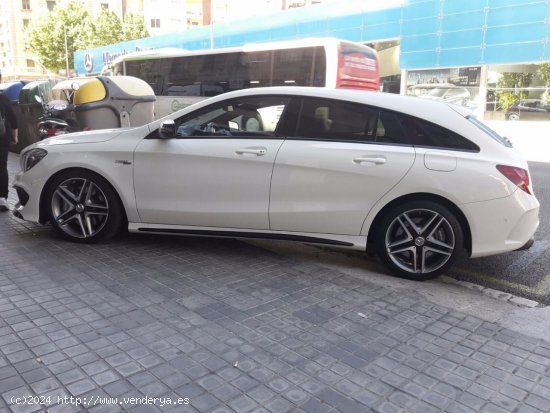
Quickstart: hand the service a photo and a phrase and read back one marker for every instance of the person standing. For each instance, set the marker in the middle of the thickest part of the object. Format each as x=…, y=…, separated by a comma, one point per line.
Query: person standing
x=8, y=136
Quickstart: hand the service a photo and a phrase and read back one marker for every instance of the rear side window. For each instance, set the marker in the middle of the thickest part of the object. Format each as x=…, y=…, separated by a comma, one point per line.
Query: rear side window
x=389, y=129
x=427, y=134
x=335, y=120
x=326, y=119
x=400, y=129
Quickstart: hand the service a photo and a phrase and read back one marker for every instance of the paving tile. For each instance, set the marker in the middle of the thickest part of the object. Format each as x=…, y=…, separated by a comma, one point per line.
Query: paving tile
x=238, y=328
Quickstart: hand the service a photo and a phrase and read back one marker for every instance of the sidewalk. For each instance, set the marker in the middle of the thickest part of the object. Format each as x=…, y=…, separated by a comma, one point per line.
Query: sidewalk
x=146, y=323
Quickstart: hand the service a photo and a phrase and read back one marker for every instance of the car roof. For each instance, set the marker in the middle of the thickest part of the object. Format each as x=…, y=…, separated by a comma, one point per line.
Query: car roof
x=423, y=108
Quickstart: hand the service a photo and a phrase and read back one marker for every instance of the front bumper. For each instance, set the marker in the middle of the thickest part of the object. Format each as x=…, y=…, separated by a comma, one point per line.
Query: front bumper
x=28, y=191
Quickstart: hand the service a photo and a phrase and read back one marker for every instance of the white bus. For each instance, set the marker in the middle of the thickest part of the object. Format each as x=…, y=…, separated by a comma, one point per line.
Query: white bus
x=179, y=77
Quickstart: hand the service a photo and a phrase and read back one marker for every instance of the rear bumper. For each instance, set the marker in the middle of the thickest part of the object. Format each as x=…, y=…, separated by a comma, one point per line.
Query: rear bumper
x=502, y=225
x=527, y=245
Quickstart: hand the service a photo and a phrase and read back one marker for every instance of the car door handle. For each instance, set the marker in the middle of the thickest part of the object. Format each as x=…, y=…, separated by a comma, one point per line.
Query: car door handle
x=251, y=151
x=376, y=159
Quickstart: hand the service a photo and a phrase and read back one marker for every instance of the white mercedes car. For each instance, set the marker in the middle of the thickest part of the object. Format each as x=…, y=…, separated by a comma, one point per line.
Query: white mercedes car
x=415, y=180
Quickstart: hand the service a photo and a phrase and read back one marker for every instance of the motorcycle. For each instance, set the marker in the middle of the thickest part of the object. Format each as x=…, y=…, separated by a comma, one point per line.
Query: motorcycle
x=57, y=118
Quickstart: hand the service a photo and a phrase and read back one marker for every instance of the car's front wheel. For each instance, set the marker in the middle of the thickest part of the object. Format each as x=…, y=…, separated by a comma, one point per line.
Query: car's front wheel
x=83, y=207
x=513, y=116
x=418, y=240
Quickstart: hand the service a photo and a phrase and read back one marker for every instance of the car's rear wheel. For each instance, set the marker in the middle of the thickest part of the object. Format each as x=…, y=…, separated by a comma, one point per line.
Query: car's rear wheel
x=418, y=240
x=513, y=116
x=83, y=207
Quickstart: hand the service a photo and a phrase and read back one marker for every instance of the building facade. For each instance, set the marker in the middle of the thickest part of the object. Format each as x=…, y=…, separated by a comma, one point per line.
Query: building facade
x=485, y=54
x=16, y=61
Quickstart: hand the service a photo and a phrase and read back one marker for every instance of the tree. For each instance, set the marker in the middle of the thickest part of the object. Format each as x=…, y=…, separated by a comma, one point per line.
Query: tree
x=543, y=72
x=134, y=27
x=47, y=38
x=107, y=29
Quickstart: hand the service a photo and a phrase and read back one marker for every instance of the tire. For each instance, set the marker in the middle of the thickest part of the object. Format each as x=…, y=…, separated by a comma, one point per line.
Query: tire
x=418, y=240
x=513, y=116
x=83, y=207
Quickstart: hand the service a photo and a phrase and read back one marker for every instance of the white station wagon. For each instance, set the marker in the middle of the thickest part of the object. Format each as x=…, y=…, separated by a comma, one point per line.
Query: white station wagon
x=415, y=180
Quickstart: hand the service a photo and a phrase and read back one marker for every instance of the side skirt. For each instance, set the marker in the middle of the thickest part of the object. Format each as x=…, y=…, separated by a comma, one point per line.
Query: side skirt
x=345, y=241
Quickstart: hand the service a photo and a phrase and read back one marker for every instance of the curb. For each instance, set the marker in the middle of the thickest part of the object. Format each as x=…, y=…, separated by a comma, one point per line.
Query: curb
x=496, y=294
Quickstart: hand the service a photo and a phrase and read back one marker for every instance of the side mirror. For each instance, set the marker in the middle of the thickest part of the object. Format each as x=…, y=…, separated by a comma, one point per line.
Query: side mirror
x=38, y=99
x=167, y=129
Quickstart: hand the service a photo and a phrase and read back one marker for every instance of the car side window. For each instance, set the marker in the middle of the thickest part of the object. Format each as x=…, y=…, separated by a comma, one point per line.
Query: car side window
x=389, y=129
x=334, y=120
x=420, y=132
x=246, y=117
x=326, y=119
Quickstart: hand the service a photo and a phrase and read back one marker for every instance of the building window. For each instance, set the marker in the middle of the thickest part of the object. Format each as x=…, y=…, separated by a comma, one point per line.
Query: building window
x=30, y=63
x=105, y=6
x=25, y=23
x=50, y=4
x=26, y=4
x=155, y=23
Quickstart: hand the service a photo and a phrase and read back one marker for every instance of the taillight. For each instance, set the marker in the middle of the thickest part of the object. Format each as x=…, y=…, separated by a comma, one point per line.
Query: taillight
x=518, y=176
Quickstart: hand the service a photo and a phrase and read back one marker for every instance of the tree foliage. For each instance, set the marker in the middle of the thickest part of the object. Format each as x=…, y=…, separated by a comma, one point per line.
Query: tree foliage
x=543, y=72
x=47, y=38
x=134, y=27
x=107, y=29
x=517, y=82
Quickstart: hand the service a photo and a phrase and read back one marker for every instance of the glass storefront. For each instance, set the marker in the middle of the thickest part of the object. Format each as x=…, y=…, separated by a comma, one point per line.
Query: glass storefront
x=518, y=92
x=494, y=92
x=459, y=86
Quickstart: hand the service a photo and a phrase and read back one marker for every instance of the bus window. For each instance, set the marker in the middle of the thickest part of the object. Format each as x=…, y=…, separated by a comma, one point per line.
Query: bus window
x=152, y=71
x=299, y=67
x=258, y=65
x=184, y=77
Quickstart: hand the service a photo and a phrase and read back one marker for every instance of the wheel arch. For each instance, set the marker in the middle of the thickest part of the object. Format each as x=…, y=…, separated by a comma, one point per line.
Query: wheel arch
x=43, y=214
x=451, y=206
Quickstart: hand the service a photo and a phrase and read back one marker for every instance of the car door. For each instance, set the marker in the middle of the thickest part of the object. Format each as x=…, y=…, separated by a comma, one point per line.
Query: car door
x=216, y=172
x=342, y=159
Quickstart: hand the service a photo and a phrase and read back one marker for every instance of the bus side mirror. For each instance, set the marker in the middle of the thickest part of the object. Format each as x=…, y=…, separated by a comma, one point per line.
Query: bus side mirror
x=167, y=129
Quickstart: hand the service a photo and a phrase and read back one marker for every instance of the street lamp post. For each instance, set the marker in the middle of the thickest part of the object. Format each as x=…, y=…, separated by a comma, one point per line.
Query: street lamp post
x=66, y=53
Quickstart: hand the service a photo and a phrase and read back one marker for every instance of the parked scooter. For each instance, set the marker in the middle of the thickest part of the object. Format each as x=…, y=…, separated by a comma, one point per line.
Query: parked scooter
x=57, y=118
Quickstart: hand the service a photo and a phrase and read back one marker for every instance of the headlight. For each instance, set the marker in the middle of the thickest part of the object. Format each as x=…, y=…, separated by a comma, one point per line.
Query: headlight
x=31, y=158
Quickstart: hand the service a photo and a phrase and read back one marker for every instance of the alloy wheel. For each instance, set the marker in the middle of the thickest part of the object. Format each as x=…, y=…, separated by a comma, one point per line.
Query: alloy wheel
x=420, y=241
x=79, y=207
